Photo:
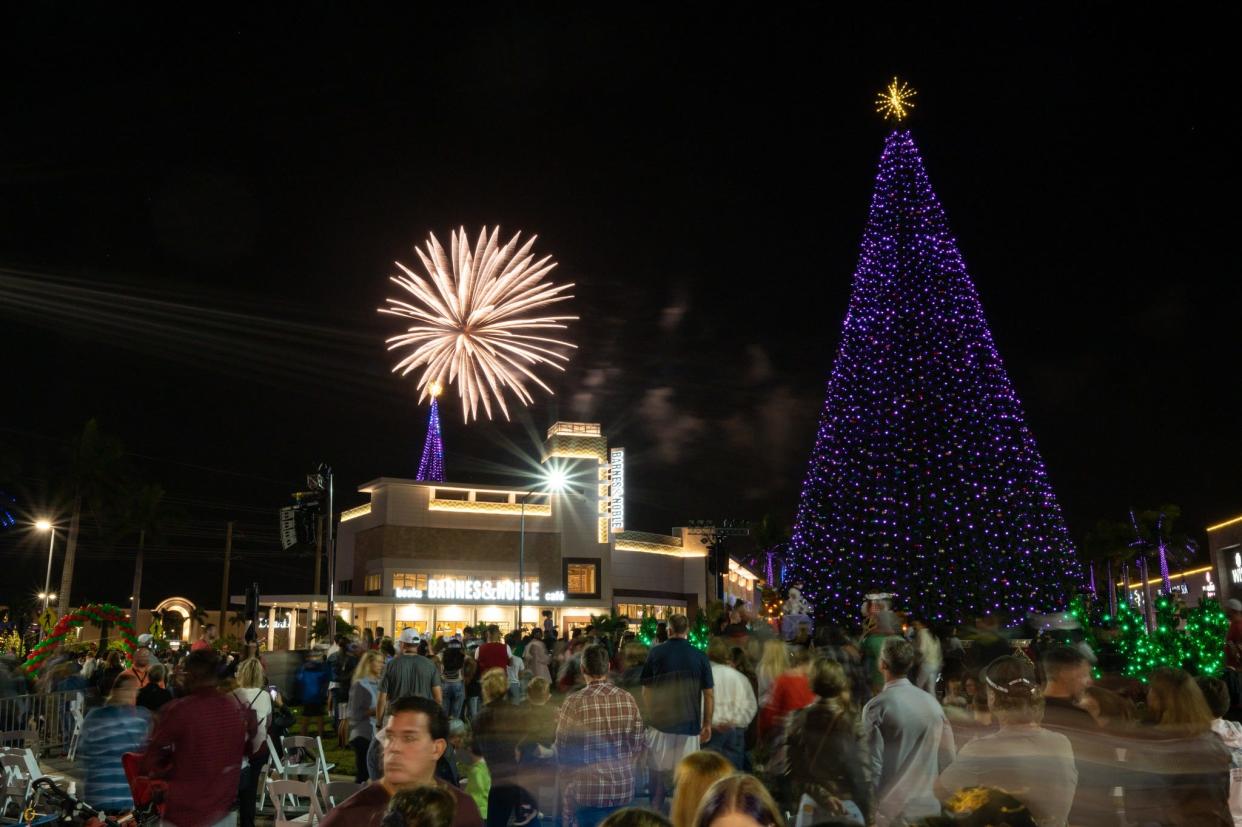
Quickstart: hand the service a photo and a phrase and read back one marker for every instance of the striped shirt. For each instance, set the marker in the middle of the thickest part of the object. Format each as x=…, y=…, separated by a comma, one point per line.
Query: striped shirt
x=108, y=732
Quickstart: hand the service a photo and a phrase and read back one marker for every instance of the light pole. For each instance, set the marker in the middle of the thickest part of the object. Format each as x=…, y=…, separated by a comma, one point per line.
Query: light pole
x=46, y=525
x=553, y=482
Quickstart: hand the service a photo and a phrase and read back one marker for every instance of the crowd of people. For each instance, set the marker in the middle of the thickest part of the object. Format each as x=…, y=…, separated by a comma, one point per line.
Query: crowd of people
x=895, y=723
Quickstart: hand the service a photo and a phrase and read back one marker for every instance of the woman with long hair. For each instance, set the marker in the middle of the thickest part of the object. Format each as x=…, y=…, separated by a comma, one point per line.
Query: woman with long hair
x=826, y=749
x=363, y=693
x=691, y=779
x=251, y=694
x=773, y=663
x=1181, y=767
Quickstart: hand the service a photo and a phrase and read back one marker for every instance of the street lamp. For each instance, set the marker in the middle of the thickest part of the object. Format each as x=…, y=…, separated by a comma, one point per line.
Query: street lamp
x=46, y=525
x=553, y=482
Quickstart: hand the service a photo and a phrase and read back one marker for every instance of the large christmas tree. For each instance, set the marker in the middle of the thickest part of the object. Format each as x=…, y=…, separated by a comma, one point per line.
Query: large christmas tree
x=924, y=481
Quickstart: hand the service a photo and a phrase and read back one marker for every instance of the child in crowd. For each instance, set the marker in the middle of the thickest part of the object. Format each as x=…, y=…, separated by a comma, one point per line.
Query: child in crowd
x=472, y=768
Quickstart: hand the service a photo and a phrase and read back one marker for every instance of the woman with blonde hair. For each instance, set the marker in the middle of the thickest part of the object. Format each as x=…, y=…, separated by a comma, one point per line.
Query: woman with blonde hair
x=772, y=664
x=252, y=694
x=744, y=798
x=1181, y=767
x=693, y=776
x=363, y=693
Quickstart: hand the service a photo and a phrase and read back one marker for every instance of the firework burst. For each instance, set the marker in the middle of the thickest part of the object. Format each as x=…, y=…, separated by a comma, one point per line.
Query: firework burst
x=474, y=321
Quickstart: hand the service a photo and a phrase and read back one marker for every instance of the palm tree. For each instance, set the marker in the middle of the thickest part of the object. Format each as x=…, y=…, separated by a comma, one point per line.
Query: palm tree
x=770, y=538
x=144, y=511
x=95, y=465
x=1109, y=541
x=1153, y=536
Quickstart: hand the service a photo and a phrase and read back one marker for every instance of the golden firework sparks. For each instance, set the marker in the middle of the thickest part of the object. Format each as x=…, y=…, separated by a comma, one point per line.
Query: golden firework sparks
x=474, y=322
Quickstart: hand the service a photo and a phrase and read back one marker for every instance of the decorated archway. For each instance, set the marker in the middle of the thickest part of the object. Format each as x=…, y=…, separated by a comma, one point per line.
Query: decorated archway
x=97, y=613
x=184, y=610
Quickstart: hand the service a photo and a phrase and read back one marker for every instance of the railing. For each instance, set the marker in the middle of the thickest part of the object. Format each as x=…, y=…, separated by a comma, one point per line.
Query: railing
x=43, y=722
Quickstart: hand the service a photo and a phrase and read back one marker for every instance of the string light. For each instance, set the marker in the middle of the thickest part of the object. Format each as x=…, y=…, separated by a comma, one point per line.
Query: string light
x=924, y=480
x=894, y=102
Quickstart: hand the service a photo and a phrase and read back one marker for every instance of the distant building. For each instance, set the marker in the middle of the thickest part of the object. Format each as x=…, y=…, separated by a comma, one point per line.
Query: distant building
x=439, y=556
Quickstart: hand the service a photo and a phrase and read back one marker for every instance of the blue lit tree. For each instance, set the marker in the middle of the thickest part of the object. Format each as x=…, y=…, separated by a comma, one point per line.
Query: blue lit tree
x=924, y=480
x=431, y=466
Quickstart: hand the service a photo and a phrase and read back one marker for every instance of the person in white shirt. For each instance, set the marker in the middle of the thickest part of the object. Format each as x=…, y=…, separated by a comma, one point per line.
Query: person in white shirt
x=251, y=694
x=1034, y=765
x=927, y=645
x=734, y=708
x=514, y=670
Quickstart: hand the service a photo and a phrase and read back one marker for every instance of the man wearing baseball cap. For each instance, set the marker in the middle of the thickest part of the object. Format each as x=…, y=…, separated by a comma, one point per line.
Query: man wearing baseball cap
x=409, y=675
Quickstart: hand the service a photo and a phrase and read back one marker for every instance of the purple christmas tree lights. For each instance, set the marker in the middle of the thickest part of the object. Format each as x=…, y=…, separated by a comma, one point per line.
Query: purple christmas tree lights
x=431, y=466
x=924, y=480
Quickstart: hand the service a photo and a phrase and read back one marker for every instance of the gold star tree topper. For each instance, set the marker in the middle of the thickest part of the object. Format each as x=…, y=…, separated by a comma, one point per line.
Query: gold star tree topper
x=894, y=102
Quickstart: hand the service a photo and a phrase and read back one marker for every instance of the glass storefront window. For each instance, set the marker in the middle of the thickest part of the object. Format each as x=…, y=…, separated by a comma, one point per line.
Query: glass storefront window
x=373, y=582
x=409, y=580
x=581, y=578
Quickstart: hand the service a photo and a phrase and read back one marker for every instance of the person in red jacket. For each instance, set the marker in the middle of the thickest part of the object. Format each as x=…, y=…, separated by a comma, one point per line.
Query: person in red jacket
x=790, y=692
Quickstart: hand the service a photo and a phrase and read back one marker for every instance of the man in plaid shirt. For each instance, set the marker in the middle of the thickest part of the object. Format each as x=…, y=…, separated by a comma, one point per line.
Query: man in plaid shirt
x=599, y=739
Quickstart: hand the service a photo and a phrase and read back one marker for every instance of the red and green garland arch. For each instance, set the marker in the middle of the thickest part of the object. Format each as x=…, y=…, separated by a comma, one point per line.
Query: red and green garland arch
x=97, y=613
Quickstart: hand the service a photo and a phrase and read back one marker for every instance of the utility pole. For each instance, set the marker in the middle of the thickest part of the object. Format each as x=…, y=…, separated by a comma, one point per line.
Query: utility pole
x=137, y=601
x=318, y=550
x=224, y=587
x=331, y=526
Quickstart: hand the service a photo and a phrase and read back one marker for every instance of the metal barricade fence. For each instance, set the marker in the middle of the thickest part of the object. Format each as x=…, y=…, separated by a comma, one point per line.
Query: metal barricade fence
x=42, y=722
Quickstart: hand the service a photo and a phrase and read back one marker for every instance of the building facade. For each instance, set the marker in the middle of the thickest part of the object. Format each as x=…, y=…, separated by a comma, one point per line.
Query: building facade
x=442, y=556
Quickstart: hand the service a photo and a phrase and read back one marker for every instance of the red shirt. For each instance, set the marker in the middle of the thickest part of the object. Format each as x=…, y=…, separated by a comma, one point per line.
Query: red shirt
x=1233, y=654
x=203, y=735
x=366, y=808
x=791, y=692
x=492, y=656
x=199, y=645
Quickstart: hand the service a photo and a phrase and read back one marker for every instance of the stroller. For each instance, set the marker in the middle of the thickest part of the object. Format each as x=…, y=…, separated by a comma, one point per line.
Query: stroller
x=61, y=808
x=148, y=792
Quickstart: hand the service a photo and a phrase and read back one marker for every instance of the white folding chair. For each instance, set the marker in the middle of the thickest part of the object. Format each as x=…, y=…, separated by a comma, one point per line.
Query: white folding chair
x=18, y=779
x=277, y=770
x=306, y=747
x=75, y=709
x=334, y=792
x=284, y=791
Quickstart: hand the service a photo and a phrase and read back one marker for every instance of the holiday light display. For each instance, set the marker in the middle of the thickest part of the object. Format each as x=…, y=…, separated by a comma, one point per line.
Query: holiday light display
x=700, y=632
x=473, y=320
x=96, y=613
x=1190, y=639
x=648, y=630
x=431, y=466
x=924, y=480
x=894, y=102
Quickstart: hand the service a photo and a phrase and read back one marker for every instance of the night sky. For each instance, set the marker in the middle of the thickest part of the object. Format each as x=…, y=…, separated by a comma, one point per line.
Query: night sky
x=200, y=215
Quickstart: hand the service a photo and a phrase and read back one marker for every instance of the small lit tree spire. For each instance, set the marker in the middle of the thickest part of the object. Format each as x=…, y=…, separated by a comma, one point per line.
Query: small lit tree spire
x=431, y=466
